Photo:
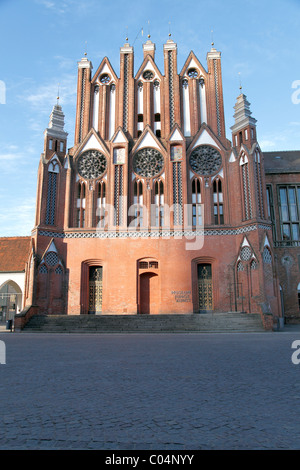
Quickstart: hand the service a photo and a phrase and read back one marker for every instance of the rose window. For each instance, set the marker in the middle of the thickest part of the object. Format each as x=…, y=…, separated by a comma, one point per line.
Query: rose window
x=205, y=160
x=193, y=73
x=91, y=164
x=105, y=78
x=148, y=75
x=148, y=162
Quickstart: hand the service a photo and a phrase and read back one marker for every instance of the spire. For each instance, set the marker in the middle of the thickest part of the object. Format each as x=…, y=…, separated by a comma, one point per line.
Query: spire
x=57, y=122
x=242, y=114
x=55, y=137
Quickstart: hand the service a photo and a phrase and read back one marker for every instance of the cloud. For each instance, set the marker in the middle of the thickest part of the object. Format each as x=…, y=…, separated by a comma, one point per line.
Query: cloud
x=281, y=139
x=10, y=162
x=8, y=157
x=14, y=162
x=17, y=220
x=46, y=3
x=267, y=145
x=64, y=63
x=67, y=6
x=44, y=96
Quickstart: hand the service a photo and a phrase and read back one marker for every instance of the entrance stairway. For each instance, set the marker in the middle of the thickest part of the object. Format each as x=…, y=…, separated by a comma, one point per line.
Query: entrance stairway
x=229, y=322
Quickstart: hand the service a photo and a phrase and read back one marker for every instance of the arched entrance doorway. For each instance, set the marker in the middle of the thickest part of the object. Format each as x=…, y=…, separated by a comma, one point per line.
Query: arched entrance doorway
x=95, y=289
x=10, y=300
x=91, y=290
x=205, y=290
x=148, y=286
x=148, y=293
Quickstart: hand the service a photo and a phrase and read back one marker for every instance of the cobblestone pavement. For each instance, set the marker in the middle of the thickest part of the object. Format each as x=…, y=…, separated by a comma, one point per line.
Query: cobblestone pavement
x=152, y=392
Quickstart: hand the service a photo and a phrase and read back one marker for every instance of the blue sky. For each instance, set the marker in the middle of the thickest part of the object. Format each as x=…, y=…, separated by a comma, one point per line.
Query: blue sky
x=42, y=41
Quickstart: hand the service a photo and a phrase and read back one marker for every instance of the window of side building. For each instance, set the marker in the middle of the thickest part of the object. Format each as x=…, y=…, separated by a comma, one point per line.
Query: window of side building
x=289, y=208
x=271, y=214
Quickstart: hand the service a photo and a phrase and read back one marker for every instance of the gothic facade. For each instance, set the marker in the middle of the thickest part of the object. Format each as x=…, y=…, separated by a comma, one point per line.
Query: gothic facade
x=153, y=210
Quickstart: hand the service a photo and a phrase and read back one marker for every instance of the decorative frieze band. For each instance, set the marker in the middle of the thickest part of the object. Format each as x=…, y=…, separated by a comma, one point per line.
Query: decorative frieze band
x=154, y=234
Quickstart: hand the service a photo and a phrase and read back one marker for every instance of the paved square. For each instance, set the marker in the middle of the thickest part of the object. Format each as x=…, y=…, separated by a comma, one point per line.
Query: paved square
x=143, y=391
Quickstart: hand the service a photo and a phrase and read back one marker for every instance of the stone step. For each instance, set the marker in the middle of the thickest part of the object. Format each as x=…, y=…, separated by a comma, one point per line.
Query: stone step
x=209, y=322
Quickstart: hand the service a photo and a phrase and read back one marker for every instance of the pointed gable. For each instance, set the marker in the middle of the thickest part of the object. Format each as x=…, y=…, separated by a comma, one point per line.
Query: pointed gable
x=148, y=139
x=104, y=68
x=119, y=137
x=192, y=62
x=92, y=141
x=148, y=64
x=205, y=137
x=176, y=135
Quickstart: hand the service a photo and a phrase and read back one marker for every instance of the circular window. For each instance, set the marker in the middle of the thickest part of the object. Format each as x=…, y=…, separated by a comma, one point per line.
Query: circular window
x=246, y=253
x=148, y=162
x=205, y=160
x=148, y=75
x=104, y=78
x=193, y=73
x=51, y=258
x=91, y=164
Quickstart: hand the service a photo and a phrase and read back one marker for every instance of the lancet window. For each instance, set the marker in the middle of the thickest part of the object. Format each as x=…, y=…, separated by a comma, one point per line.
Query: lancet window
x=53, y=170
x=159, y=203
x=100, y=204
x=196, y=202
x=138, y=203
x=80, y=206
x=218, y=202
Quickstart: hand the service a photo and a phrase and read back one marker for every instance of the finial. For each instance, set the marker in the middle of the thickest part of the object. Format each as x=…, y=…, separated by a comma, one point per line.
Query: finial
x=85, y=51
x=169, y=29
x=240, y=81
x=126, y=34
x=57, y=99
x=149, y=36
x=212, y=38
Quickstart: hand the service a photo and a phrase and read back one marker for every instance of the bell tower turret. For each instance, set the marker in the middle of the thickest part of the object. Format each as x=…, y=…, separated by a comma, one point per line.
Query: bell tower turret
x=55, y=137
x=244, y=128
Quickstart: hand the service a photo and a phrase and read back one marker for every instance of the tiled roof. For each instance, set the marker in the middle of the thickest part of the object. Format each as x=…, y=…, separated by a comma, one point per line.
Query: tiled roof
x=282, y=161
x=14, y=253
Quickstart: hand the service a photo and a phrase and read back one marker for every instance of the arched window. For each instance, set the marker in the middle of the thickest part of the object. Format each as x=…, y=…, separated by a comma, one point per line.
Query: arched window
x=218, y=202
x=138, y=203
x=159, y=203
x=267, y=257
x=196, y=203
x=240, y=266
x=80, y=214
x=100, y=205
x=53, y=170
x=259, y=184
x=253, y=265
x=248, y=213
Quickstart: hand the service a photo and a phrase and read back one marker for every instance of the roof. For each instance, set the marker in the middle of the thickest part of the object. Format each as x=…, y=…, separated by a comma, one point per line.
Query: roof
x=287, y=161
x=14, y=253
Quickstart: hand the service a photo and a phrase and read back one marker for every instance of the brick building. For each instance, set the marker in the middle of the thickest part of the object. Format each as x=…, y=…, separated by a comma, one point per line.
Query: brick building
x=282, y=170
x=154, y=210
x=14, y=252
